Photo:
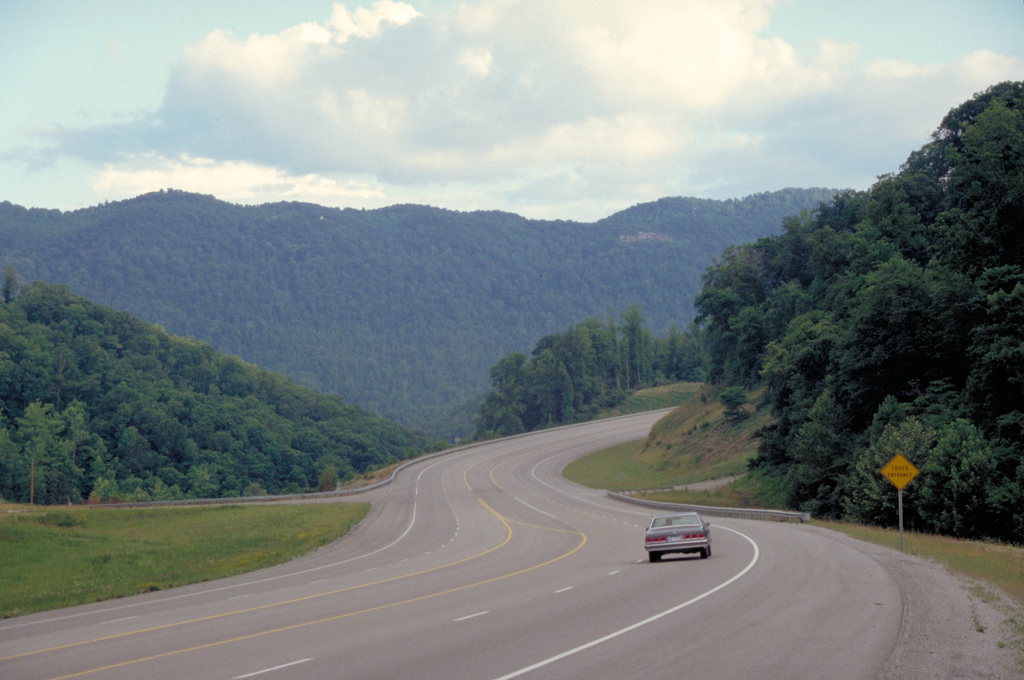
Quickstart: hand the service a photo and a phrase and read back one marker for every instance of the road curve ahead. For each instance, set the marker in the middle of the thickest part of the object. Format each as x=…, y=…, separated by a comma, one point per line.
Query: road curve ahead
x=485, y=563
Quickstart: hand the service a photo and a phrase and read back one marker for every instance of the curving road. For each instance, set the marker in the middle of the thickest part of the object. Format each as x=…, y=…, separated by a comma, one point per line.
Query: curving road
x=485, y=563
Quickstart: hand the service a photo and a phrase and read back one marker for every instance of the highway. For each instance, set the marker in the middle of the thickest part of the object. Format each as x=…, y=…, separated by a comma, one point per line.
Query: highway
x=485, y=564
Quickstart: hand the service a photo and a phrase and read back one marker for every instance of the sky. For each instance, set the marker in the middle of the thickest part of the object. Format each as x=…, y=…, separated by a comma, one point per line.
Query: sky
x=552, y=109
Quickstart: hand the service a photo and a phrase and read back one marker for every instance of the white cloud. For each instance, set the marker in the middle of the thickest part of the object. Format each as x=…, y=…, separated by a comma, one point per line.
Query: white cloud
x=265, y=60
x=898, y=69
x=497, y=98
x=987, y=67
x=622, y=139
x=236, y=181
x=271, y=60
x=834, y=63
x=688, y=55
x=478, y=60
x=366, y=23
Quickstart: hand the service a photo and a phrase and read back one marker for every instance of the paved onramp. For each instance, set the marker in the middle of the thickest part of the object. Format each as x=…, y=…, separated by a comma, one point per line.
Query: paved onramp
x=485, y=563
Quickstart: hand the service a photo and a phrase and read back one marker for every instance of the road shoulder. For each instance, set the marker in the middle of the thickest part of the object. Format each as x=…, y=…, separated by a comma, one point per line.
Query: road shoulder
x=948, y=631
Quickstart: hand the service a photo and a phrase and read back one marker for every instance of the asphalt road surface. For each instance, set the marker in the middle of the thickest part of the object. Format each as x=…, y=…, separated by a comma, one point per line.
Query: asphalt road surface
x=485, y=563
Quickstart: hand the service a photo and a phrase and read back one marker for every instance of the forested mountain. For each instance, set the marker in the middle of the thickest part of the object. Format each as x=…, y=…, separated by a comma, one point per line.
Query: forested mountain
x=892, y=321
x=401, y=310
x=97, y=404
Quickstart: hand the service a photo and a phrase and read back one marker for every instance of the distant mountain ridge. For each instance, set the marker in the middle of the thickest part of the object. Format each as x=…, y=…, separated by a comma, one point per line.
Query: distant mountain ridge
x=401, y=310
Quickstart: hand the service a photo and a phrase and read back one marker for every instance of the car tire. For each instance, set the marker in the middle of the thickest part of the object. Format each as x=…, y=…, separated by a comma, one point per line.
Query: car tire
x=704, y=552
x=654, y=556
x=709, y=550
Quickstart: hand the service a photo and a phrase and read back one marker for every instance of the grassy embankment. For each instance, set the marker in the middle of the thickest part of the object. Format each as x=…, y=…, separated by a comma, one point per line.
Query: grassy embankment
x=61, y=556
x=696, y=443
x=666, y=396
x=691, y=444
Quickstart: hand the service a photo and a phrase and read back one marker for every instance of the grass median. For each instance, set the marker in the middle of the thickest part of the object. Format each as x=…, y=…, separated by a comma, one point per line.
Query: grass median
x=59, y=557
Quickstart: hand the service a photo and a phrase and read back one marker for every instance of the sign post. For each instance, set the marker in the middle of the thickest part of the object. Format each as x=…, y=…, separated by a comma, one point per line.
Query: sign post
x=900, y=471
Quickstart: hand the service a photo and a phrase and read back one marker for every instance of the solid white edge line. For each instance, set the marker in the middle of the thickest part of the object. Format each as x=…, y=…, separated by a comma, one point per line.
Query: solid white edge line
x=471, y=616
x=270, y=670
x=126, y=618
x=639, y=624
x=534, y=508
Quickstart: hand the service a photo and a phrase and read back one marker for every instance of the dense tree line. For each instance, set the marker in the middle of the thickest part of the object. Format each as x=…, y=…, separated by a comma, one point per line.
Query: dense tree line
x=892, y=321
x=95, y=404
x=401, y=310
x=573, y=375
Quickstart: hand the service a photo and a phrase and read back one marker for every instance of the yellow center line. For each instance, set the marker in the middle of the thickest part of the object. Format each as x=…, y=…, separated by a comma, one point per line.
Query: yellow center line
x=490, y=473
x=507, y=523
x=465, y=475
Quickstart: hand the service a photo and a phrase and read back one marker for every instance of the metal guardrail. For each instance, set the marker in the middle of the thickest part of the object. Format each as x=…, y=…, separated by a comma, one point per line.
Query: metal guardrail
x=735, y=513
x=234, y=500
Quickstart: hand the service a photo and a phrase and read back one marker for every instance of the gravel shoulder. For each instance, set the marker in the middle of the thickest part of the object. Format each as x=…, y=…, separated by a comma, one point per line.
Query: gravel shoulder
x=952, y=628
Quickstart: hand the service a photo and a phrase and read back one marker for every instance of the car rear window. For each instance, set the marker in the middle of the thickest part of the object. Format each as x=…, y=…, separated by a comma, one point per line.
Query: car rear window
x=681, y=521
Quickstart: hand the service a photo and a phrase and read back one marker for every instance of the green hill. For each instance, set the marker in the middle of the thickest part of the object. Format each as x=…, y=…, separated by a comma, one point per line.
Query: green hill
x=892, y=321
x=401, y=310
x=95, y=403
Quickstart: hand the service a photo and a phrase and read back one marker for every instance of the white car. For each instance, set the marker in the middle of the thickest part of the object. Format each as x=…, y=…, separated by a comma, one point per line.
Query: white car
x=684, y=532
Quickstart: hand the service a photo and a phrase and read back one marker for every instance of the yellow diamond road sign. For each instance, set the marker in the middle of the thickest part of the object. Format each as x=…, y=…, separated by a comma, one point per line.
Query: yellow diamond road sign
x=899, y=471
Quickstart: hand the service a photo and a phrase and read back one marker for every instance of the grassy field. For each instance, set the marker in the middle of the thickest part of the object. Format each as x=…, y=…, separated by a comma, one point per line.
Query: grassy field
x=58, y=557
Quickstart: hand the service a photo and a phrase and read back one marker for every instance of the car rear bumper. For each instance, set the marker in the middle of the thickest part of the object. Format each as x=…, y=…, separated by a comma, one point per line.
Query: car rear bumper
x=677, y=546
